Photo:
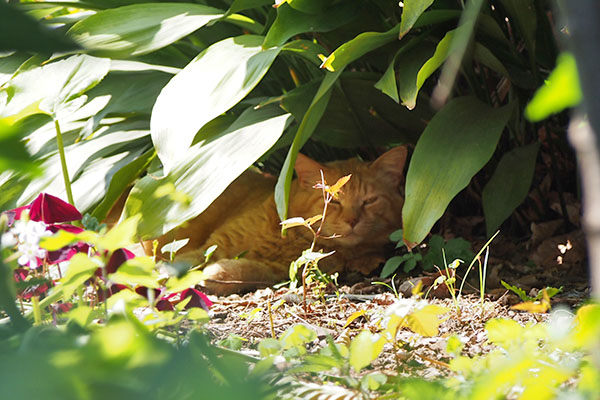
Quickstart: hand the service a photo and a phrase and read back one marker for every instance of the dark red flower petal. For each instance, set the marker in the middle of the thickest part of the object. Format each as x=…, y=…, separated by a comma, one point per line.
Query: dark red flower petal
x=20, y=274
x=50, y=210
x=199, y=299
x=164, y=305
x=62, y=307
x=66, y=253
x=15, y=214
x=143, y=291
x=64, y=227
x=117, y=258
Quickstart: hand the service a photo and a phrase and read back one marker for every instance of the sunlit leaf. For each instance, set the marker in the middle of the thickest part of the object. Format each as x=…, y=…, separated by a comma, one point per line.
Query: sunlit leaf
x=503, y=330
x=425, y=321
x=174, y=246
x=335, y=189
x=187, y=281
x=561, y=90
x=353, y=316
x=121, y=235
x=81, y=268
x=361, y=351
x=209, y=85
x=138, y=29
x=205, y=170
x=138, y=271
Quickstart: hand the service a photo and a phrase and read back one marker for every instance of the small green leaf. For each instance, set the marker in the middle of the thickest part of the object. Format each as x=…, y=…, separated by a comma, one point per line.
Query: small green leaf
x=561, y=90
x=373, y=381
x=268, y=347
x=174, y=246
x=411, y=12
x=297, y=336
x=120, y=236
x=501, y=331
x=517, y=290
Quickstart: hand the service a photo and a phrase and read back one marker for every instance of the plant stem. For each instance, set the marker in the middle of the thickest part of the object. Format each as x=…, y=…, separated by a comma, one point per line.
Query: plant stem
x=63, y=162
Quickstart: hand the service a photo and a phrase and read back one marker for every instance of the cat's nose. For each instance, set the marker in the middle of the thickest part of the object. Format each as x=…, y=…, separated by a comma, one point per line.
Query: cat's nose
x=352, y=222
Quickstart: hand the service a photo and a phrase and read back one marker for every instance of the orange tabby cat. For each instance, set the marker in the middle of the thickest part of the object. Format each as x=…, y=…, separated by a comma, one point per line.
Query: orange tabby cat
x=244, y=220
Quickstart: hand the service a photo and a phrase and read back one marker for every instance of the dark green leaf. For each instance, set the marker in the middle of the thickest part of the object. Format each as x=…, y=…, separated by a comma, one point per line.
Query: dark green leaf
x=411, y=12
x=509, y=185
x=456, y=144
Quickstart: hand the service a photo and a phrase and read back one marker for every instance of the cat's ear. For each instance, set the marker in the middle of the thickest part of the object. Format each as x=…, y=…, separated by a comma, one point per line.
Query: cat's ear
x=391, y=164
x=308, y=170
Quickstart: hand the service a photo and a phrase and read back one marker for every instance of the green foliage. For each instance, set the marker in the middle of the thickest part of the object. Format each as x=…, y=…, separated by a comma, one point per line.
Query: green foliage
x=167, y=79
x=456, y=248
x=550, y=291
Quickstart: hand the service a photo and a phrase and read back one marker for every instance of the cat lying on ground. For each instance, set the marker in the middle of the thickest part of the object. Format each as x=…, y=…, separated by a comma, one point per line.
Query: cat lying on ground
x=244, y=220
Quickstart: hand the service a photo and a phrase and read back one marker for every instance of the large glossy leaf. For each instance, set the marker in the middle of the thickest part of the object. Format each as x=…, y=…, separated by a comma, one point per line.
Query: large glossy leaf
x=307, y=126
x=290, y=22
x=411, y=11
x=211, y=84
x=241, y=5
x=457, y=143
x=203, y=172
x=509, y=185
x=55, y=88
x=141, y=28
x=18, y=31
x=357, y=47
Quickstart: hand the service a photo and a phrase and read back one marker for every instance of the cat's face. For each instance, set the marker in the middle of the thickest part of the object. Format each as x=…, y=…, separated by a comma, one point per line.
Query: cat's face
x=369, y=207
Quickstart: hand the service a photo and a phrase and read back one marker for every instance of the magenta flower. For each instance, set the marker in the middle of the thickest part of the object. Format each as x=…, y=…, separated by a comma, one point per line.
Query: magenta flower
x=48, y=209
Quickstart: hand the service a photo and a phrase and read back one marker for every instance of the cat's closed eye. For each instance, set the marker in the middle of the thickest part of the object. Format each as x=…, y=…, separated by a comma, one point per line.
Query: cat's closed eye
x=370, y=200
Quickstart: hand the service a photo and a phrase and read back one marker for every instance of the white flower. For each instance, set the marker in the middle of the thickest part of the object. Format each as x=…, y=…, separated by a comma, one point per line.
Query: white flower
x=30, y=252
x=28, y=235
x=7, y=240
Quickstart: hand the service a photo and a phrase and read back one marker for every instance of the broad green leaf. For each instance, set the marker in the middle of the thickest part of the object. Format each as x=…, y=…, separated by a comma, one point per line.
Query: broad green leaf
x=456, y=144
x=357, y=47
x=95, y=160
x=291, y=22
x=81, y=268
x=307, y=126
x=508, y=186
x=138, y=271
x=120, y=181
x=55, y=88
x=308, y=6
x=561, y=90
x=411, y=11
x=409, y=88
x=18, y=31
x=241, y=5
x=13, y=154
x=425, y=321
x=361, y=351
x=138, y=29
x=209, y=85
x=204, y=171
